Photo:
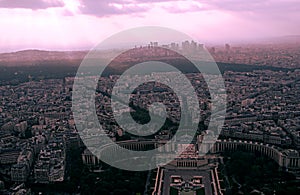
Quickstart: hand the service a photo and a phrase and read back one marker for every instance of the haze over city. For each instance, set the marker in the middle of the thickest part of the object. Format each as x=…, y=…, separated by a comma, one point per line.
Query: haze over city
x=81, y=24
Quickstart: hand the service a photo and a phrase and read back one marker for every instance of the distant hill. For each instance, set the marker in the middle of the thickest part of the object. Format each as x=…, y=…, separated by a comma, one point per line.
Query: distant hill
x=38, y=57
x=74, y=58
x=23, y=66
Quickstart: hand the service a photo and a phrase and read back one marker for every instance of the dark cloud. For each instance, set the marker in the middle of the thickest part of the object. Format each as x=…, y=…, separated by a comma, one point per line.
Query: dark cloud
x=103, y=8
x=30, y=4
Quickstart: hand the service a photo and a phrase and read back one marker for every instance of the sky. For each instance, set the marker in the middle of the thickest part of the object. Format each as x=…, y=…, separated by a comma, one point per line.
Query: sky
x=82, y=24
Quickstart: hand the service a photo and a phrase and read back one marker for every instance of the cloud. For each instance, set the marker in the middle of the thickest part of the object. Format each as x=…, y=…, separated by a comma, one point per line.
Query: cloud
x=106, y=7
x=277, y=15
x=258, y=6
x=31, y=4
x=262, y=18
x=184, y=6
x=116, y=7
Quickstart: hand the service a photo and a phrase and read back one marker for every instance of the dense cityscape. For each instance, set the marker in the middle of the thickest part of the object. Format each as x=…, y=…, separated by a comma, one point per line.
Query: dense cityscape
x=41, y=151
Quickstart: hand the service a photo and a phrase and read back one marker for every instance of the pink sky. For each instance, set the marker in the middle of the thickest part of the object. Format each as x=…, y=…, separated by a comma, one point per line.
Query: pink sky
x=81, y=24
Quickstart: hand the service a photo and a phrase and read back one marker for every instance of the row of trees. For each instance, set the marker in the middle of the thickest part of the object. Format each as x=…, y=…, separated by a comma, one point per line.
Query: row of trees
x=249, y=171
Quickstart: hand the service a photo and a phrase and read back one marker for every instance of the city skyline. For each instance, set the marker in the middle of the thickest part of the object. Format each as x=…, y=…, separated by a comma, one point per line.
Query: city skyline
x=81, y=24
